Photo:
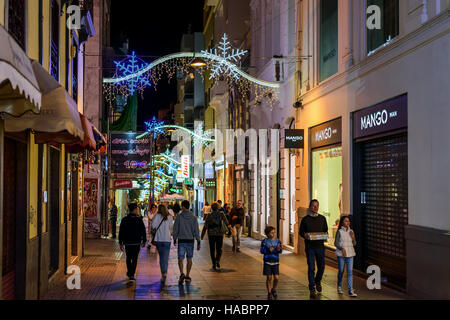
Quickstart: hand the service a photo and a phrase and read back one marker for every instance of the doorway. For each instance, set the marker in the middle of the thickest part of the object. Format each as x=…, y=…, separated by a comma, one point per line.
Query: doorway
x=54, y=210
x=15, y=220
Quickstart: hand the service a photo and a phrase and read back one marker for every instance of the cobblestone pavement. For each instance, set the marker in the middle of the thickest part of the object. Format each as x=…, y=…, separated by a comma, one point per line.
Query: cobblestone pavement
x=103, y=276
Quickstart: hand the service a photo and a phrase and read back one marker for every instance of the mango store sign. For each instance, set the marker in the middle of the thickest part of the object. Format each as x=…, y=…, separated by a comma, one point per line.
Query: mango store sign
x=185, y=166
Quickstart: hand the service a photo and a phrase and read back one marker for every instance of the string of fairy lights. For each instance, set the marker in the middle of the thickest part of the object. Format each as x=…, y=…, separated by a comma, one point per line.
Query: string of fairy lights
x=133, y=75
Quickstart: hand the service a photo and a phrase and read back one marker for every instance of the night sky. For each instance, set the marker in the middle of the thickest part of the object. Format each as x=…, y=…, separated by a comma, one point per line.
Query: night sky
x=154, y=29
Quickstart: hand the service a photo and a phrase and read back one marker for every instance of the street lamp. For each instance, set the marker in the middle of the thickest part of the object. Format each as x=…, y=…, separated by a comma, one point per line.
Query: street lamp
x=198, y=63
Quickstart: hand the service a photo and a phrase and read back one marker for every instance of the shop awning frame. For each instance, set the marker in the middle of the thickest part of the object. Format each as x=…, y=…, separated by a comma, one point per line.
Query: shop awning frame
x=59, y=120
x=19, y=88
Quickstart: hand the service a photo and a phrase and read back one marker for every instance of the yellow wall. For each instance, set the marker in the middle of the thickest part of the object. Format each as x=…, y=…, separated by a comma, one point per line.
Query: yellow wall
x=33, y=30
x=46, y=34
x=2, y=10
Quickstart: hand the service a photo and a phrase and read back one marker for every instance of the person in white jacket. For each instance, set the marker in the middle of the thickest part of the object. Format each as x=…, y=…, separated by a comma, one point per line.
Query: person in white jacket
x=345, y=243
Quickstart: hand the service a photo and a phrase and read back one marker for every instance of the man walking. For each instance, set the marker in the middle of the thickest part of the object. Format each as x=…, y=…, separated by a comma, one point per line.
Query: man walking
x=186, y=231
x=113, y=220
x=132, y=236
x=315, y=249
x=237, y=221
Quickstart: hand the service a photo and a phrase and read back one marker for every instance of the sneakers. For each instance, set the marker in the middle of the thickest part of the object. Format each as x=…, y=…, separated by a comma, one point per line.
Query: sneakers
x=352, y=294
x=238, y=250
x=275, y=294
x=181, y=280
x=269, y=296
x=340, y=290
x=218, y=266
x=312, y=294
x=188, y=280
x=214, y=268
x=319, y=287
x=163, y=281
x=132, y=279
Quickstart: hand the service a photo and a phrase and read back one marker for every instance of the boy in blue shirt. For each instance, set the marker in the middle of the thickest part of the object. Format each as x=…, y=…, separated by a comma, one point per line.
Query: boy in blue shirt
x=271, y=249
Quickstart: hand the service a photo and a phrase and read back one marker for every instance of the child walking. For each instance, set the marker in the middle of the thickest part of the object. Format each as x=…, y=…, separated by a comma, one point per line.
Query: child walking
x=271, y=249
x=345, y=243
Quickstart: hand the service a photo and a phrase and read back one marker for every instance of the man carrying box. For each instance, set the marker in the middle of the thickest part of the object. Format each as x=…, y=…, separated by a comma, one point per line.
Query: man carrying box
x=312, y=227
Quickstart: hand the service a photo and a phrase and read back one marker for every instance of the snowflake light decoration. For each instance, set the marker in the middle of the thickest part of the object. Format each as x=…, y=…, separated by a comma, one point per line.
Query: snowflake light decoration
x=129, y=66
x=224, y=59
x=200, y=136
x=155, y=127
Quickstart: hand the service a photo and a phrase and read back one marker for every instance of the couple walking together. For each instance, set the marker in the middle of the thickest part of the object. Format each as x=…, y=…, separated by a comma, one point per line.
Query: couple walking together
x=185, y=230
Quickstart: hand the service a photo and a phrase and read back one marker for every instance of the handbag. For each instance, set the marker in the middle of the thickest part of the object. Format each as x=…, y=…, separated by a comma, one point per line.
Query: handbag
x=224, y=226
x=153, y=233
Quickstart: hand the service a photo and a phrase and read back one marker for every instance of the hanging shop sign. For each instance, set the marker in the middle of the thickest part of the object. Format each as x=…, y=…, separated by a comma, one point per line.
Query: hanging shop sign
x=129, y=154
x=185, y=166
x=209, y=171
x=386, y=116
x=123, y=184
x=326, y=134
x=210, y=183
x=294, y=139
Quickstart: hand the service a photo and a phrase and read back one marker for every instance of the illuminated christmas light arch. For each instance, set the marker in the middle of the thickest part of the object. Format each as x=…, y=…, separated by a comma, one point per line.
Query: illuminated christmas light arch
x=220, y=61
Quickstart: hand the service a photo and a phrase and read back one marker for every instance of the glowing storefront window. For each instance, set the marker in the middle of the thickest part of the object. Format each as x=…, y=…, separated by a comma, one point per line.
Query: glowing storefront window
x=327, y=186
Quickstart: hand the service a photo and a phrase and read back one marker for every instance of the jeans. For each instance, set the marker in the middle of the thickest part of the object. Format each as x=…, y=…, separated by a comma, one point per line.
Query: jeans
x=313, y=255
x=215, y=247
x=164, y=251
x=341, y=263
x=132, y=253
x=236, y=233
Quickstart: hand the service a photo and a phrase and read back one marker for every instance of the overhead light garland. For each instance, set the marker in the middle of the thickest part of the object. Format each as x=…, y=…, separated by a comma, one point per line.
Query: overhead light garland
x=154, y=126
x=221, y=62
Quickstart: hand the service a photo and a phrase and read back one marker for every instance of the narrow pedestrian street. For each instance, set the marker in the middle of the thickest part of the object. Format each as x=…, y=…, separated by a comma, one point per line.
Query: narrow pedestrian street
x=103, y=271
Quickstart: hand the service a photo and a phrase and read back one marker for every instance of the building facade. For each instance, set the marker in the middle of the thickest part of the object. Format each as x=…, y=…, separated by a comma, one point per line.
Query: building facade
x=42, y=207
x=373, y=103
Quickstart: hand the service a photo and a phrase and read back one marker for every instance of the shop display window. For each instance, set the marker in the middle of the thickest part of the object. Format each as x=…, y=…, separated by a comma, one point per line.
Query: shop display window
x=327, y=187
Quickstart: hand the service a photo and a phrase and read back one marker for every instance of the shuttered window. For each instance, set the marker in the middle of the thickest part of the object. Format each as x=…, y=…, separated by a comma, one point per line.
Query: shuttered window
x=384, y=204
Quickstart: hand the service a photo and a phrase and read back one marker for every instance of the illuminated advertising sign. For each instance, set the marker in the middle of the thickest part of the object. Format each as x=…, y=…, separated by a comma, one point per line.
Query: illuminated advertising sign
x=128, y=154
x=185, y=166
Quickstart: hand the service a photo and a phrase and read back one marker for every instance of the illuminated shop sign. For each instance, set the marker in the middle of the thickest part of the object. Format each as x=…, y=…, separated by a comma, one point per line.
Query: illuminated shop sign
x=185, y=166
x=294, y=139
x=128, y=154
x=386, y=116
x=326, y=134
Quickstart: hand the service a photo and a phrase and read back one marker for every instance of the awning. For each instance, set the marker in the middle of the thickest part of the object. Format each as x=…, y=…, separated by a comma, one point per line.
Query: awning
x=19, y=89
x=58, y=121
x=88, y=143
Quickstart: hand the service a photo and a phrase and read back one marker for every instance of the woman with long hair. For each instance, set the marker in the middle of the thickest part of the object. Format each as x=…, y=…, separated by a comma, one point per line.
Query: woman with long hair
x=161, y=227
x=345, y=243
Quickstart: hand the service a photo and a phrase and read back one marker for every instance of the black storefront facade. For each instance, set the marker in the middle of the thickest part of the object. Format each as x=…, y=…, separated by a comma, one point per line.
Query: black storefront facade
x=380, y=188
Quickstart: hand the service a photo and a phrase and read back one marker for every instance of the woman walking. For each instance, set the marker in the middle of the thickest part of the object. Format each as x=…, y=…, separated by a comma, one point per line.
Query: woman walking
x=161, y=227
x=206, y=210
x=216, y=224
x=345, y=243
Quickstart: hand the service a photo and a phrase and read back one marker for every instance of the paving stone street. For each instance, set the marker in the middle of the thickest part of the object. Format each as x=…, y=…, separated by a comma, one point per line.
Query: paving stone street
x=103, y=277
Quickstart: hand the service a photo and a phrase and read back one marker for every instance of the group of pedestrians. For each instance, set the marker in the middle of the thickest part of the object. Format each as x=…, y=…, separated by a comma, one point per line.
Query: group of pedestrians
x=183, y=229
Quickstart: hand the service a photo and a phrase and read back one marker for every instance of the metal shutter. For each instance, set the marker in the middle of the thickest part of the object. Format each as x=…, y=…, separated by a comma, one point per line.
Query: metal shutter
x=385, y=205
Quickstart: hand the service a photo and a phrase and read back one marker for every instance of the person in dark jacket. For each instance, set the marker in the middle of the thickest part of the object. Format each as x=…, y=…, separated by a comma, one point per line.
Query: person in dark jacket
x=315, y=249
x=213, y=225
x=237, y=221
x=132, y=236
